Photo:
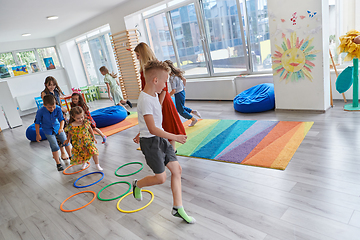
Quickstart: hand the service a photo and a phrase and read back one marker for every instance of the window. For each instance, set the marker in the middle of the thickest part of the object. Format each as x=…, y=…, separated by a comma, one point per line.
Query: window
x=96, y=51
x=163, y=49
x=25, y=58
x=46, y=53
x=32, y=59
x=8, y=61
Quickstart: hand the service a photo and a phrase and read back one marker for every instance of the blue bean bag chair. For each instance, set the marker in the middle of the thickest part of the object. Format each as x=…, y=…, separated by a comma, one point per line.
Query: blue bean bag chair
x=108, y=116
x=31, y=133
x=259, y=98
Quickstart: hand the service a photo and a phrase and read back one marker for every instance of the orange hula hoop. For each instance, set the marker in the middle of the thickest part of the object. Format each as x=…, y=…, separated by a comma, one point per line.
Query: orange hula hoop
x=76, y=171
x=73, y=210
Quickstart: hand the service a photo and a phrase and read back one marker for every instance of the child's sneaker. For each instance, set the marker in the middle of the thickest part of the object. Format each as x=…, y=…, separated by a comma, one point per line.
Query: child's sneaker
x=128, y=113
x=136, y=191
x=129, y=103
x=104, y=140
x=193, y=122
x=180, y=212
x=67, y=162
x=59, y=167
x=196, y=113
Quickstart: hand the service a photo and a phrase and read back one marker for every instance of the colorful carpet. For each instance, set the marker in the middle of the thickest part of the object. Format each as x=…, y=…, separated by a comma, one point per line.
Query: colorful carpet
x=129, y=122
x=269, y=144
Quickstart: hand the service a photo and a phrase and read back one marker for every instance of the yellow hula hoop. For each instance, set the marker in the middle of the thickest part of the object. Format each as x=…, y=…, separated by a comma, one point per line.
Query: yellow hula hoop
x=136, y=210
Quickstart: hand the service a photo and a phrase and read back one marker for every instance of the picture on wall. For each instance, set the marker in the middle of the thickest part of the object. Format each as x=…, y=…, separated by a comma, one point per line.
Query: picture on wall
x=49, y=63
x=20, y=70
x=4, y=72
x=34, y=67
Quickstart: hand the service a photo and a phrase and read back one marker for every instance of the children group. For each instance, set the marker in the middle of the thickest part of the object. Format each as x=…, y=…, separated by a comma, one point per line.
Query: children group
x=159, y=124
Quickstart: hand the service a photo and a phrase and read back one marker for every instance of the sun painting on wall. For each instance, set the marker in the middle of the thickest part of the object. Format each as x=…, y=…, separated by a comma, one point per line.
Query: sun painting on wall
x=293, y=59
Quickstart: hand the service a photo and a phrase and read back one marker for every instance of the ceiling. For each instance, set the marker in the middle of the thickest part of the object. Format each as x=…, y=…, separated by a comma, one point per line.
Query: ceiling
x=25, y=16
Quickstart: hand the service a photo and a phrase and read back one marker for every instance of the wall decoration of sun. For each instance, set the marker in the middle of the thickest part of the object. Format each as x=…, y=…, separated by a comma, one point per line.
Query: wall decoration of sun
x=292, y=60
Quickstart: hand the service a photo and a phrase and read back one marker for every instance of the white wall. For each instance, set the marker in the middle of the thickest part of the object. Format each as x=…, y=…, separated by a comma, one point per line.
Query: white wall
x=114, y=17
x=34, y=84
x=73, y=65
x=300, y=93
x=26, y=44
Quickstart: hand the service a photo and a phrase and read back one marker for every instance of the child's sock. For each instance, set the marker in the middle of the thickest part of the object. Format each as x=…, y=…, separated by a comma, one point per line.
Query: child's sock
x=67, y=162
x=193, y=122
x=98, y=167
x=59, y=167
x=84, y=165
x=196, y=113
x=136, y=191
x=180, y=212
x=104, y=139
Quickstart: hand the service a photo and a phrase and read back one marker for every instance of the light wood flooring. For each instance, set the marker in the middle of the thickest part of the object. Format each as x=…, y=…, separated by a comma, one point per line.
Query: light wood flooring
x=316, y=197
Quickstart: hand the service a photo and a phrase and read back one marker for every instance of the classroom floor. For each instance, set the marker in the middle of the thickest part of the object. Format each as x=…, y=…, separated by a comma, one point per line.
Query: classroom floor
x=316, y=197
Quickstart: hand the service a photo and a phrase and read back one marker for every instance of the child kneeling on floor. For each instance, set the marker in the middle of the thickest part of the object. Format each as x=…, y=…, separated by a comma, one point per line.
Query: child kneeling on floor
x=52, y=122
x=154, y=140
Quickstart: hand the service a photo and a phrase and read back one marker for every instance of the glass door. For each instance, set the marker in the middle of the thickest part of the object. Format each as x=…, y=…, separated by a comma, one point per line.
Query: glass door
x=223, y=33
x=99, y=57
x=188, y=40
x=88, y=63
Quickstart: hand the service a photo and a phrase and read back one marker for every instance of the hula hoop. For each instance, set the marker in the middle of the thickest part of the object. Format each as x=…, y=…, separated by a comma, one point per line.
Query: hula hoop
x=136, y=210
x=76, y=171
x=91, y=183
x=126, y=175
x=73, y=210
x=110, y=199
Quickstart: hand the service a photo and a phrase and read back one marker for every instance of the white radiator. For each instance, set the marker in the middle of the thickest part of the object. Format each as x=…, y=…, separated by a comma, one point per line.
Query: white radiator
x=26, y=102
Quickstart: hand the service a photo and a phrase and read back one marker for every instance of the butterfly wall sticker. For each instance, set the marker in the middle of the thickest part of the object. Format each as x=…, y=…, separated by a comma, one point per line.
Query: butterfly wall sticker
x=293, y=19
x=311, y=14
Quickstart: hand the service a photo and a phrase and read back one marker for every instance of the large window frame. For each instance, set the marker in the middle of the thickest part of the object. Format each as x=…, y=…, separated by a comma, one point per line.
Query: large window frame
x=110, y=60
x=39, y=60
x=200, y=15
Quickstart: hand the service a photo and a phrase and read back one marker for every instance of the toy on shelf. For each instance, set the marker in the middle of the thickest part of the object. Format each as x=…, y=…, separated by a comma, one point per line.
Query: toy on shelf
x=350, y=43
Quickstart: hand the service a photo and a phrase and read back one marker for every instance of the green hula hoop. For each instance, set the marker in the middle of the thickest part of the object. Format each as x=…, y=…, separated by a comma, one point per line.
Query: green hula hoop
x=126, y=175
x=110, y=199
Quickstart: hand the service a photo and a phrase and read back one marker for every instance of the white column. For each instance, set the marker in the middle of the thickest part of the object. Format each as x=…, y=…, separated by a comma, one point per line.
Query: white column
x=300, y=53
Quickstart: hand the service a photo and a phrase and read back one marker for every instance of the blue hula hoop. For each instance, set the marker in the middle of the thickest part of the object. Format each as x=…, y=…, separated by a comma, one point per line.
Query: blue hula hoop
x=89, y=184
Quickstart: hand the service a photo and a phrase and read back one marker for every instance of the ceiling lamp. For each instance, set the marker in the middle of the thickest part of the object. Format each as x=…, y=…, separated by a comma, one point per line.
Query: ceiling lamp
x=26, y=34
x=52, y=17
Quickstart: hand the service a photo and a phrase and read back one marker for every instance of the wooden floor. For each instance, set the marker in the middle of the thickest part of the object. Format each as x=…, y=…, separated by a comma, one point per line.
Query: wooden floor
x=316, y=197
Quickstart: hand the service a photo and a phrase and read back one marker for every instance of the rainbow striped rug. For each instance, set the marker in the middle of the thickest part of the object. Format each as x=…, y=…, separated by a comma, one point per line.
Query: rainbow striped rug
x=269, y=144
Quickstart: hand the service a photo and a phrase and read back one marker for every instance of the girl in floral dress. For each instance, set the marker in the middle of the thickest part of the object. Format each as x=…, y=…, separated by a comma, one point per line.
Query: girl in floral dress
x=78, y=100
x=82, y=137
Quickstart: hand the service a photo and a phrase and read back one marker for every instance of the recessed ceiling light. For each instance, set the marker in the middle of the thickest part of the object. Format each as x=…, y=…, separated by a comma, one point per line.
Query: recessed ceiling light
x=52, y=17
x=26, y=34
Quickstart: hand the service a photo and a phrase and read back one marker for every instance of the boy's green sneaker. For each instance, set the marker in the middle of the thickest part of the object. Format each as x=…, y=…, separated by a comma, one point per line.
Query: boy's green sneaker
x=180, y=212
x=136, y=191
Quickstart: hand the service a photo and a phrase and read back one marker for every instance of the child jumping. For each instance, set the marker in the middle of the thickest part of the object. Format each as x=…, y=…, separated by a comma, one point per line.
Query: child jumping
x=52, y=122
x=80, y=132
x=153, y=139
x=113, y=87
x=177, y=83
x=77, y=100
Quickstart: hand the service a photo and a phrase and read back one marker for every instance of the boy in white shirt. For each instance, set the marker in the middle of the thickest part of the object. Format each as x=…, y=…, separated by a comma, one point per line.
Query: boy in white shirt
x=154, y=140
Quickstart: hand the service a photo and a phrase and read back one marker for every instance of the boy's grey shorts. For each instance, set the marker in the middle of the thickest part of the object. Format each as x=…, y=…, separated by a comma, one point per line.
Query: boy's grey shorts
x=158, y=152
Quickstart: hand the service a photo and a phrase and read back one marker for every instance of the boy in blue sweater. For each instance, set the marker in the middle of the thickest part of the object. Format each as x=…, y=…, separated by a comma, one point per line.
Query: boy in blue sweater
x=51, y=119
